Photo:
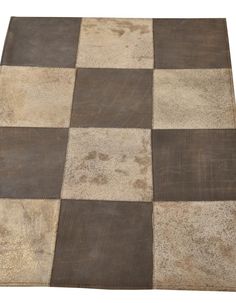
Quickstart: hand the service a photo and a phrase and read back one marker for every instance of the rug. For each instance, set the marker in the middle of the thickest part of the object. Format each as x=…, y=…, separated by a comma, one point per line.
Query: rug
x=117, y=154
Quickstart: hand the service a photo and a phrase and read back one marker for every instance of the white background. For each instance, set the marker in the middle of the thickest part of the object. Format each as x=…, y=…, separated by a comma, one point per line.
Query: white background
x=117, y=8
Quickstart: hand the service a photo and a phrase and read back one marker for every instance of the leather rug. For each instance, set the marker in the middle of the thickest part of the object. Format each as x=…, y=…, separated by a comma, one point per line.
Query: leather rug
x=117, y=154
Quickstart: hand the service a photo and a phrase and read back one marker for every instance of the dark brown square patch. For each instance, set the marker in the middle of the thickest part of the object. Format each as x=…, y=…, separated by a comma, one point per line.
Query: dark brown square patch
x=191, y=43
x=113, y=98
x=192, y=165
x=104, y=244
x=32, y=162
x=49, y=42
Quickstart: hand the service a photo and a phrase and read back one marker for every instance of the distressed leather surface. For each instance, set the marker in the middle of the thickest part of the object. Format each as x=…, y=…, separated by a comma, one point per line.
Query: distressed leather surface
x=117, y=154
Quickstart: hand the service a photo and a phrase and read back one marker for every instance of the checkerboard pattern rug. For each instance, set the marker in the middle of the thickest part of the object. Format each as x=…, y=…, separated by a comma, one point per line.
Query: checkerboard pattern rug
x=117, y=154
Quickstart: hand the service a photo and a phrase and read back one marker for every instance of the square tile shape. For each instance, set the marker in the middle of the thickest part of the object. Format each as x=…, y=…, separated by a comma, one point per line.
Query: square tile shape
x=193, y=98
x=104, y=245
x=49, y=42
x=194, y=245
x=108, y=164
x=28, y=235
x=32, y=162
x=36, y=97
x=113, y=98
x=193, y=165
x=115, y=43
x=191, y=43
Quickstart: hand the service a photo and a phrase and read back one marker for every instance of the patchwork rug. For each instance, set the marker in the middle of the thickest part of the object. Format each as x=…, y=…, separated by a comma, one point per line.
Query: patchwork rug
x=117, y=154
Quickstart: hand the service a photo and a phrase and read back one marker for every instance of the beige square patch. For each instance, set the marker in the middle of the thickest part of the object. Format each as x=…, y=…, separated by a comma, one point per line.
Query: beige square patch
x=27, y=241
x=195, y=245
x=116, y=43
x=196, y=98
x=36, y=97
x=108, y=164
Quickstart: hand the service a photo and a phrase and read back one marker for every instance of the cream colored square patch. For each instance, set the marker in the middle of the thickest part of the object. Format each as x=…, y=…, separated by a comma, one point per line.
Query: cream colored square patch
x=194, y=245
x=116, y=43
x=27, y=241
x=193, y=98
x=36, y=97
x=108, y=164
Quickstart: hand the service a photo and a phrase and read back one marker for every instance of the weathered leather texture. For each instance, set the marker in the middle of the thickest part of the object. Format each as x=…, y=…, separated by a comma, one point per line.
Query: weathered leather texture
x=117, y=154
